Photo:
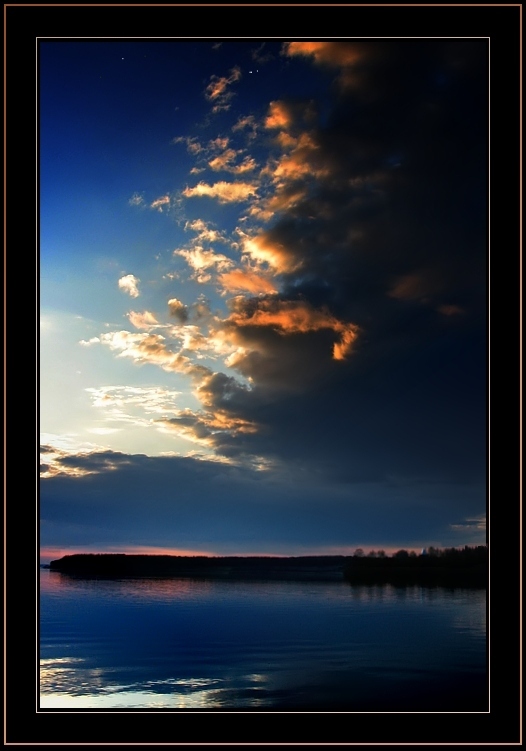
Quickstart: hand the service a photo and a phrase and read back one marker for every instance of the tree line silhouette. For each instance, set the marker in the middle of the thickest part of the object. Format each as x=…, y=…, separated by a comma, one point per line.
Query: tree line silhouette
x=466, y=566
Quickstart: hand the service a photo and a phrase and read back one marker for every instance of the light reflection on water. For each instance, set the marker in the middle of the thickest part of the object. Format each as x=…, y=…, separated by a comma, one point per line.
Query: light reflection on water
x=187, y=644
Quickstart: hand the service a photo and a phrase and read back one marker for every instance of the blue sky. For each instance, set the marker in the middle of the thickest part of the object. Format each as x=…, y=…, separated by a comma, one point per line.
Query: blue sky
x=263, y=295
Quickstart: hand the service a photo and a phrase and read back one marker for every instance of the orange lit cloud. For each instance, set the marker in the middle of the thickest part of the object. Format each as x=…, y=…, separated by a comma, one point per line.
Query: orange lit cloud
x=239, y=280
x=160, y=202
x=300, y=162
x=142, y=320
x=222, y=161
x=349, y=57
x=218, y=143
x=217, y=86
x=225, y=163
x=285, y=198
x=279, y=116
x=247, y=165
x=217, y=90
x=223, y=191
x=338, y=54
x=292, y=317
x=205, y=427
x=263, y=250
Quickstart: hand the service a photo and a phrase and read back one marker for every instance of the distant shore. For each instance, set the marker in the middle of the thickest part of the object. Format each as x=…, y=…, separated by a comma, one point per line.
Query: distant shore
x=464, y=569
x=308, y=568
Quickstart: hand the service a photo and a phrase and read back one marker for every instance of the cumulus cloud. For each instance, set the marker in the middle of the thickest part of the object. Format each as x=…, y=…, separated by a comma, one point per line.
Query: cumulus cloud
x=129, y=284
x=204, y=233
x=264, y=249
x=284, y=114
x=279, y=116
x=178, y=310
x=223, y=191
x=200, y=260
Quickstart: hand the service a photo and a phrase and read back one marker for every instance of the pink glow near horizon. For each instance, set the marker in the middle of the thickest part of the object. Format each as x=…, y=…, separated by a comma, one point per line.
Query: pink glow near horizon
x=48, y=554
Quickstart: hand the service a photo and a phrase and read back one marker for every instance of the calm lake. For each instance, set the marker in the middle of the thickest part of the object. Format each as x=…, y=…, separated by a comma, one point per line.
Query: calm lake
x=182, y=644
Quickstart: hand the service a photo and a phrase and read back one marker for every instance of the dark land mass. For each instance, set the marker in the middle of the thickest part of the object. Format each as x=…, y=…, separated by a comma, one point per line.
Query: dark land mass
x=462, y=568
x=448, y=568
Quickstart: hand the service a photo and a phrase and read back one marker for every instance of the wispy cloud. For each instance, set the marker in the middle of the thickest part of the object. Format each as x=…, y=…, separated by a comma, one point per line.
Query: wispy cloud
x=160, y=203
x=192, y=144
x=217, y=90
x=247, y=123
x=145, y=320
x=136, y=200
x=226, y=162
x=247, y=280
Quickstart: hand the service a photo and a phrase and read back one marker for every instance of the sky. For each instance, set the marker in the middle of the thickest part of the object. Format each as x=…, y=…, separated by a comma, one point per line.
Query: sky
x=263, y=295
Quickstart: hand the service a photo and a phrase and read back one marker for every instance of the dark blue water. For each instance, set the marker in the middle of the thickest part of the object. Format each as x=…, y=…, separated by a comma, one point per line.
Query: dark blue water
x=183, y=644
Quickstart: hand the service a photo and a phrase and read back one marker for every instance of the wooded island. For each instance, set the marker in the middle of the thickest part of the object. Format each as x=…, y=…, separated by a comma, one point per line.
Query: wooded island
x=465, y=567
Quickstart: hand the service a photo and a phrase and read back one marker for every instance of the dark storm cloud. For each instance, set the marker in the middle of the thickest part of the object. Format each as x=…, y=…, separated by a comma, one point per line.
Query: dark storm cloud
x=370, y=361
x=389, y=238
x=184, y=502
x=385, y=238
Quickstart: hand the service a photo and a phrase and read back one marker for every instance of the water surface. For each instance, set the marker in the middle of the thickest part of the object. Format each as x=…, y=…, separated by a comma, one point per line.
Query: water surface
x=184, y=644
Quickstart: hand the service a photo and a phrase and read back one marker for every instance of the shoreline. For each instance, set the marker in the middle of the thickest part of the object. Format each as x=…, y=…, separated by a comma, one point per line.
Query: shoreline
x=351, y=569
